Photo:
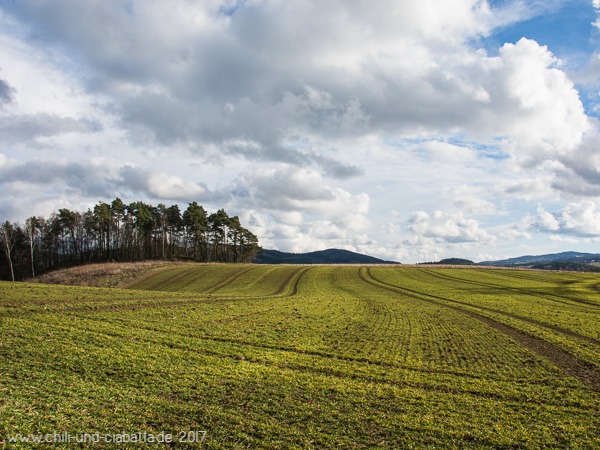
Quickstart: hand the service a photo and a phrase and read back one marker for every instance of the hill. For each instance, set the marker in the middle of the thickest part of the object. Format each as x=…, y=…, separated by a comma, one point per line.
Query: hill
x=329, y=256
x=453, y=262
x=557, y=261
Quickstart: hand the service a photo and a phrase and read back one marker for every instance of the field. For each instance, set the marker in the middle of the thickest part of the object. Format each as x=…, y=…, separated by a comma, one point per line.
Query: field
x=307, y=357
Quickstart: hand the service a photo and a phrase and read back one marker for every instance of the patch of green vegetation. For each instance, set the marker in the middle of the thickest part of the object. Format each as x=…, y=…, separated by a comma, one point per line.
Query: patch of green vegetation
x=299, y=357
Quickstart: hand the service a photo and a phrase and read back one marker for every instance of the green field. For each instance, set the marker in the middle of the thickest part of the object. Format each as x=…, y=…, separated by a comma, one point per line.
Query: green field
x=307, y=357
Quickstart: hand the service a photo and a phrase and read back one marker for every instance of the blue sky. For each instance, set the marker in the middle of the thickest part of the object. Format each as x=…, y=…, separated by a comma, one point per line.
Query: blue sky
x=411, y=131
x=565, y=27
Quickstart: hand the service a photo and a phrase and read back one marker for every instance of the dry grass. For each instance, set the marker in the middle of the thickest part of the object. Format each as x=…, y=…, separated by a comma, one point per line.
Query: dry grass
x=110, y=274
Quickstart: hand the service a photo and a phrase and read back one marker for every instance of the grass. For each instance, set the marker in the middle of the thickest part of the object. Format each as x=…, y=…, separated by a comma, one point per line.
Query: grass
x=308, y=357
x=111, y=274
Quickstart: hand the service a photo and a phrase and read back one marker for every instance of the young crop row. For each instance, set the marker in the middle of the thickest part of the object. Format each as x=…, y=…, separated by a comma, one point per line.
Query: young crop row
x=291, y=357
x=576, y=353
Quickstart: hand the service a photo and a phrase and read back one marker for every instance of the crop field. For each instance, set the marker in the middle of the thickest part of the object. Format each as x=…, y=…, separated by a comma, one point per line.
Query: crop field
x=259, y=356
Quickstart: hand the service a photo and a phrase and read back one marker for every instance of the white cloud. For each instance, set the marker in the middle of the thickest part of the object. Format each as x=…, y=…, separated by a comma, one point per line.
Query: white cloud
x=285, y=188
x=471, y=200
x=547, y=116
x=160, y=185
x=537, y=187
x=447, y=227
x=515, y=233
x=320, y=116
x=580, y=219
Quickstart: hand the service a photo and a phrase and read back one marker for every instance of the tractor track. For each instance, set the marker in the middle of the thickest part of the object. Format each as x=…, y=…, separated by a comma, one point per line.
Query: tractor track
x=556, y=328
x=161, y=285
x=180, y=301
x=326, y=371
x=293, y=279
x=230, y=279
x=569, y=364
x=551, y=297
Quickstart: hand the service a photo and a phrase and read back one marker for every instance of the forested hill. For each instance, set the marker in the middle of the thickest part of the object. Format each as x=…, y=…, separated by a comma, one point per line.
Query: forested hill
x=585, y=258
x=572, y=261
x=330, y=256
x=122, y=232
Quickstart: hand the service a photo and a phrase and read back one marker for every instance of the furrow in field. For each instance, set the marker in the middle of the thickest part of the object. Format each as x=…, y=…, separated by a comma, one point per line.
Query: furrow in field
x=548, y=326
x=383, y=328
x=159, y=280
x=174, y=338
x=199, y=278
x=551, y=297
x=228, y=280
x=129, y=305
x=291, y=282
x=568, y=363
x=556, y=328
x=331, y=365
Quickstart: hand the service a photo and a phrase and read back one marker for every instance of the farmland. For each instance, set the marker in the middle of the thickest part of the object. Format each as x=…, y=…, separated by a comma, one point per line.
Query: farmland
x=308, y=357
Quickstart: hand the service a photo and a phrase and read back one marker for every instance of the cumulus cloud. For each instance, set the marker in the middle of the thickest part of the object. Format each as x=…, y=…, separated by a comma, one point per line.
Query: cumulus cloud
x=579, y=172
x=322, y=116
x=160, y=185
x=294, y=209
x=98, y=178
x=286, y=188
x=527, y=188
x=471, y=200
x=447, y=227
x=31, y=127
x=89, y=178
x=204, y=78
x=545, y=117
x=6, y=92
x=581, y=219
x=269, y=71
x=515, y=233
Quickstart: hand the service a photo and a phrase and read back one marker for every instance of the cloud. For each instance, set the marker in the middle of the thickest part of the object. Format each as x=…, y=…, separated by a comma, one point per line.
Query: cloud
x=515, y=233
x=6, y=92
x=547, y=118
x=208, y=80
x=527, y=188
x=286, y=188
x=294, y=209
x=79, y=178
x=470, y=200
x=447, y=227
x=160, y=185
x=310, y=119
x=98, y=178
x=204, y=79
x=579, y=172
x=581, y=219
x=31, y=127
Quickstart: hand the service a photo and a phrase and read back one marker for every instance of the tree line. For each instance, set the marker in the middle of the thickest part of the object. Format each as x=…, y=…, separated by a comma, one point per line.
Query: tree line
x=122, y=232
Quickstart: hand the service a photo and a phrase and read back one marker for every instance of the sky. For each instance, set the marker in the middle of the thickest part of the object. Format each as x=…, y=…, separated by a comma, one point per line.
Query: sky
x=410, y=131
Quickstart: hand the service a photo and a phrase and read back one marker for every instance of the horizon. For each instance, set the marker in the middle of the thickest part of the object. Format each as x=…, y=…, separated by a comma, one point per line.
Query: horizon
x=446, y=257
x=407, y=132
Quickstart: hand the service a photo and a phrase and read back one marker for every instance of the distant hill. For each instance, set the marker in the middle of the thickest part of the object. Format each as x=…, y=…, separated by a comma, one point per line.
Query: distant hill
x=556, y=261
x=330, y=256
x=453, y=262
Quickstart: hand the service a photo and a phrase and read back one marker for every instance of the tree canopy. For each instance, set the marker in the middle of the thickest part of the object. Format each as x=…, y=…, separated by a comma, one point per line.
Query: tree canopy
x=122, y=232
